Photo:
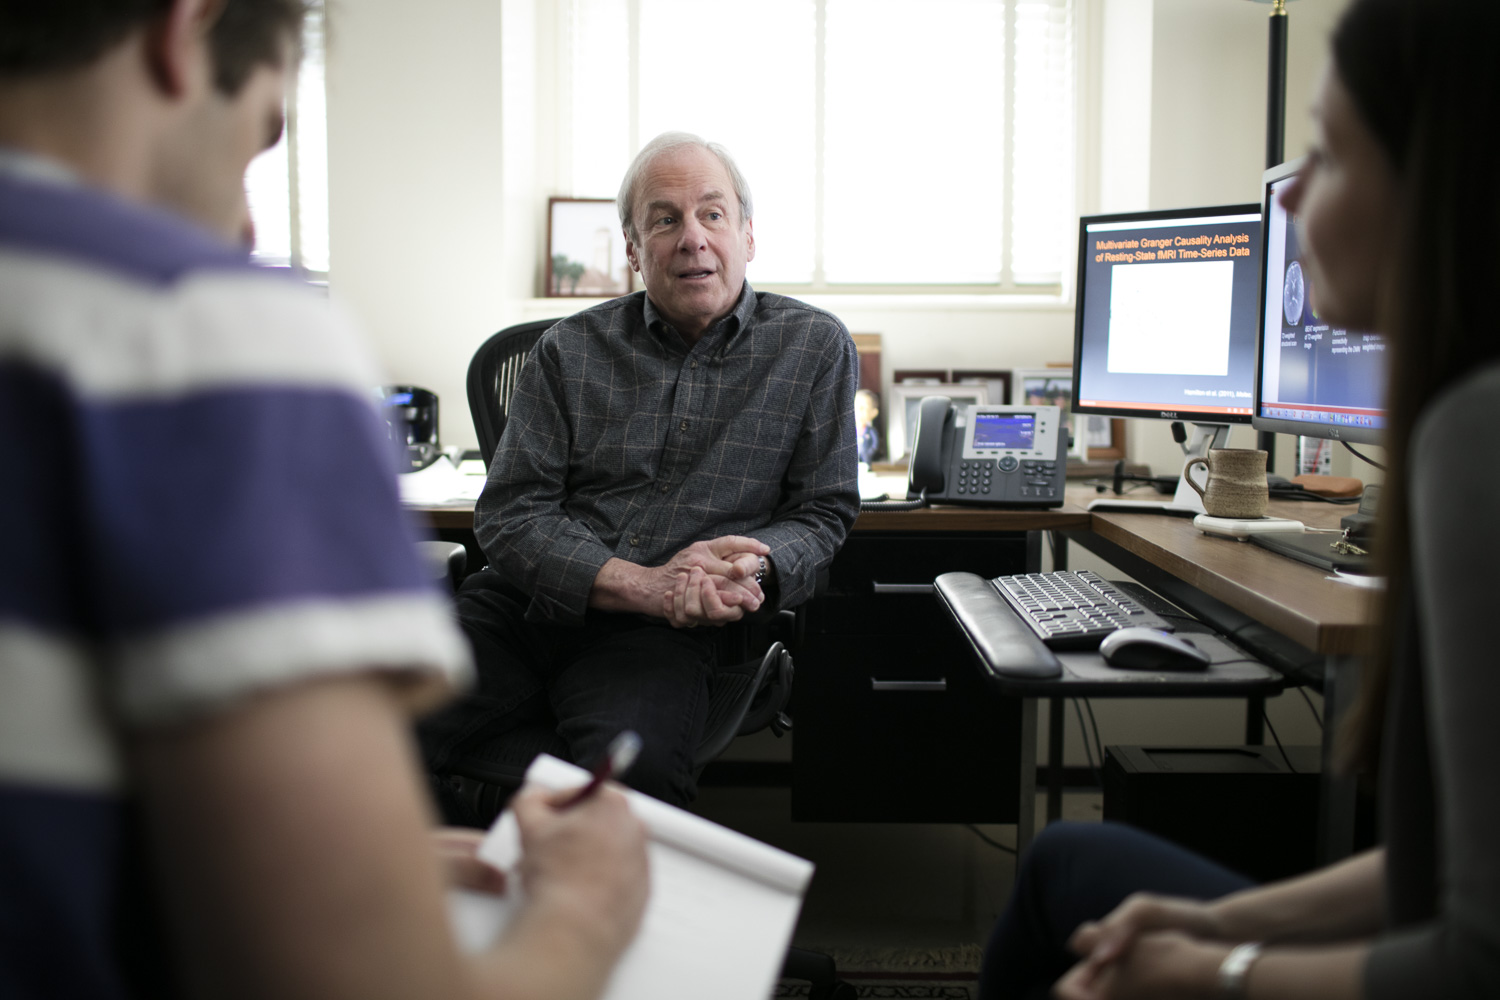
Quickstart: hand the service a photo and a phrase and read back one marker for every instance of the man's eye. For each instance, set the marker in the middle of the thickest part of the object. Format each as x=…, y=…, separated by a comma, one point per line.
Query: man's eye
x=715, y=216
x=665, y=220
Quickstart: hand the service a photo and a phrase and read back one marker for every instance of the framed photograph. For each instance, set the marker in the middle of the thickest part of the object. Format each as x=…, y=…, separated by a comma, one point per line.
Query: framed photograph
x=1049, y=387
x=997, y=382
x=906, y=400
x=585, y=249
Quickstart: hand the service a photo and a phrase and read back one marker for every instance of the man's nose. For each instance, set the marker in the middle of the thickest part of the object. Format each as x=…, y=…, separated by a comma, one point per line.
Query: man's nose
x=694, y=236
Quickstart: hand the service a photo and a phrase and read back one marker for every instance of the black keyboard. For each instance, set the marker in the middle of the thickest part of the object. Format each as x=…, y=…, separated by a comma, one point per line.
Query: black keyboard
x=1069, y=610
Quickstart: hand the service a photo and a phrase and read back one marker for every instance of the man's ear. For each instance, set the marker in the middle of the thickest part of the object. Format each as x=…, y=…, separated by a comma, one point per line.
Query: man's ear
x=749, y=240
x=176, y=41
x=630, y=251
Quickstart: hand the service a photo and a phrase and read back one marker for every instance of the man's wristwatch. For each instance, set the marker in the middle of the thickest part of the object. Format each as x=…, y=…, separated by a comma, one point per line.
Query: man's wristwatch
x=1235, y=969
x=760, y=571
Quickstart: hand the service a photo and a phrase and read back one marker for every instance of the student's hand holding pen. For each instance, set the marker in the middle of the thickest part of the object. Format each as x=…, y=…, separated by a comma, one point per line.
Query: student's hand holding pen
x=584, y=858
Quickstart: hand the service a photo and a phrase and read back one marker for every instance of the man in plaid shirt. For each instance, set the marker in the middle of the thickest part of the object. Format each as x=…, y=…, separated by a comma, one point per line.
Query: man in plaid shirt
x=673, y=460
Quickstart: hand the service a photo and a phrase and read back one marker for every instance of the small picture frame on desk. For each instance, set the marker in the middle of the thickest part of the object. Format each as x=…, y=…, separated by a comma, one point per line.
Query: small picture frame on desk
x=585, y=249
x=906, y=400
x=996, y=382
x=1049, y=387
x=920, y=376
x=1103, y=437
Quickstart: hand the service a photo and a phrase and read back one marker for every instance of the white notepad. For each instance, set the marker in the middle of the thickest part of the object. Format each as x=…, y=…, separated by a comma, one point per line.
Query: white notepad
x=719, y=919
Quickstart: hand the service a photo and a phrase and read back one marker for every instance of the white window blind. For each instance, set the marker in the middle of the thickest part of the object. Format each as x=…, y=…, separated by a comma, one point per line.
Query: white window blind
x=287, y=185
x=888, y=142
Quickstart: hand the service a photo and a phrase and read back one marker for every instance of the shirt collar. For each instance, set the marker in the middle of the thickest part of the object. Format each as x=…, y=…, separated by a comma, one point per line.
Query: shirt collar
x=27, y=166
x=738, y=318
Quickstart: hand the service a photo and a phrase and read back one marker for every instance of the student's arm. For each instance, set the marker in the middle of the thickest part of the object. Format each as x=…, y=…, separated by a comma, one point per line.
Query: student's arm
x=1341, y=902
x=293, y=848
x=1158, y=946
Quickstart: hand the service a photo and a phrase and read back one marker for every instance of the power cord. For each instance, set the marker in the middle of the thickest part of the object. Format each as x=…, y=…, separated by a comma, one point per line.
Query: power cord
x=1311, y=707
x=1265, y=715
x=1363, y=458
x=990, y=840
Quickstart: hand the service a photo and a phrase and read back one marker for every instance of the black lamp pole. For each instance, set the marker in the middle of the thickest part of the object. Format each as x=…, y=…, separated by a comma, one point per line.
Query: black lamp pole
x=1275, y=137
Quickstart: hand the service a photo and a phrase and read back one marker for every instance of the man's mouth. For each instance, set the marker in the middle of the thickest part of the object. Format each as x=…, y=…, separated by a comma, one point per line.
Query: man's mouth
x=696, y=274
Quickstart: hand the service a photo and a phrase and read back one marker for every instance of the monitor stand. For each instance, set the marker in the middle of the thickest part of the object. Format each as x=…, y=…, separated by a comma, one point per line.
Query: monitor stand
x=1187, y=502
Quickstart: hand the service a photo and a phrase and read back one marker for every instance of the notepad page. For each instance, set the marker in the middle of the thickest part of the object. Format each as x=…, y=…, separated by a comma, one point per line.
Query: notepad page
x=719, y=918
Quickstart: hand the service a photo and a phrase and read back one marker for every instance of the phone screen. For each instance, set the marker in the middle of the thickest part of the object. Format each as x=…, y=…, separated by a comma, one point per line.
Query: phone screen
x=1005, y=430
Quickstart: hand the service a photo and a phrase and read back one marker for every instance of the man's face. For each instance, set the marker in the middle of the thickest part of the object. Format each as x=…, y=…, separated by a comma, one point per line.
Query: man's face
x=693, y=244
x=202, y=171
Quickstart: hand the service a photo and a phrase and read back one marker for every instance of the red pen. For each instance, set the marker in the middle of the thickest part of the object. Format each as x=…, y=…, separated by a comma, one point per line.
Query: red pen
x=616, y=761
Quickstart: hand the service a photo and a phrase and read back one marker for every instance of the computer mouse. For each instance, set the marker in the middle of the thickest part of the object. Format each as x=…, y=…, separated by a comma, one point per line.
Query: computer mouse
x=1151, y=649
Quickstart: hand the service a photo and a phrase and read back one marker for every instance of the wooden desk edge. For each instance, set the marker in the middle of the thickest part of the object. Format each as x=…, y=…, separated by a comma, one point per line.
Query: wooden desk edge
x=1344, y=634
x=459, y=517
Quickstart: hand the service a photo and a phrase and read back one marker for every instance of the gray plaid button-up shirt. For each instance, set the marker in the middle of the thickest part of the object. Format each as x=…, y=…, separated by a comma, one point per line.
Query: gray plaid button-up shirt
x=623, y=441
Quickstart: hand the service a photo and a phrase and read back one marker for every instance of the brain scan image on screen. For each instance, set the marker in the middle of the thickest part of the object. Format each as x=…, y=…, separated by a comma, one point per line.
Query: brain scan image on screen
x=1293, y=294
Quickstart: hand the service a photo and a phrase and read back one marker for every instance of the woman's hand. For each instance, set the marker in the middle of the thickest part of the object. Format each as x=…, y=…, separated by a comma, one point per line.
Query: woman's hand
x=1141, y=913
x=1156, y=965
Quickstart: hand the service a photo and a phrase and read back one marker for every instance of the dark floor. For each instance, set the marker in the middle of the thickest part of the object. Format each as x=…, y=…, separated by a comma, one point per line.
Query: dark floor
x=886, y=885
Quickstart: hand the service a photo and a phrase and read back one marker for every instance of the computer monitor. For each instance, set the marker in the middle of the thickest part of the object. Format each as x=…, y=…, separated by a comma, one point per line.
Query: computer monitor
x=1167, y=321
x=1313, y=380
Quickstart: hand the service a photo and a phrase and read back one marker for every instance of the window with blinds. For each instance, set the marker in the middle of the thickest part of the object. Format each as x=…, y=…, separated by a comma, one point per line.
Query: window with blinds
x=889, y=143
x=287, y=185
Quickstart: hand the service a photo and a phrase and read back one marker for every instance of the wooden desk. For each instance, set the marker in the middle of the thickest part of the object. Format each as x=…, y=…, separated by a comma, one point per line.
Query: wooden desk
x=1289, y=614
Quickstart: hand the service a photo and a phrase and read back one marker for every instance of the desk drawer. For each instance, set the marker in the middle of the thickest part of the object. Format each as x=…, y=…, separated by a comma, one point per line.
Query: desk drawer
x=900, y=729
x=882, y=583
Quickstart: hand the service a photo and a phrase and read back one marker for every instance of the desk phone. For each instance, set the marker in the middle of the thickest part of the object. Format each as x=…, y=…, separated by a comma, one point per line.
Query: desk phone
x=987, y=455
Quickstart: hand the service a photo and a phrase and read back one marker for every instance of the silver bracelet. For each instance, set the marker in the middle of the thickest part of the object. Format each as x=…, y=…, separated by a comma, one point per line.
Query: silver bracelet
x=1235, y=968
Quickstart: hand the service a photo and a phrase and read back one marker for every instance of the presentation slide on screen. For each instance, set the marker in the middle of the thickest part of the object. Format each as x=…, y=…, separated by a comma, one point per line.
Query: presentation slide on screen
x=1313, y=371
x=1168, y=314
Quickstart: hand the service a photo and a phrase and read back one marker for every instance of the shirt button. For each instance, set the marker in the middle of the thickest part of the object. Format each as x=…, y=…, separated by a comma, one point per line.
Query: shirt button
x=635, y=540
x=665, y=487
x=693, y=364
x=682, y=426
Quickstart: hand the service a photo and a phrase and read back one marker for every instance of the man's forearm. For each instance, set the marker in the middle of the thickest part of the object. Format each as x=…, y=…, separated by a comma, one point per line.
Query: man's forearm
x=626, y=587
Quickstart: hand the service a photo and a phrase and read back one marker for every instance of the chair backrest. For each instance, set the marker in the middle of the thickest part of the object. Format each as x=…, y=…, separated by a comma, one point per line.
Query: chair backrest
x=492, y=379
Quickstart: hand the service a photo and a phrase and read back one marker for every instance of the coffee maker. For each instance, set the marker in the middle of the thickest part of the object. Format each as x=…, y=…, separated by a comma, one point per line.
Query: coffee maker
x=411, y=413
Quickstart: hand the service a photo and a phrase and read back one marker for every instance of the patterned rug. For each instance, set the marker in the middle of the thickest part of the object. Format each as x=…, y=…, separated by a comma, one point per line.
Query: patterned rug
x=928, y=974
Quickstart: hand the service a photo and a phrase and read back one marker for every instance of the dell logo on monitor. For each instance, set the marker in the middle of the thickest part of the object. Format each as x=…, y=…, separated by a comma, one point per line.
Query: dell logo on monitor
x=1169, y=415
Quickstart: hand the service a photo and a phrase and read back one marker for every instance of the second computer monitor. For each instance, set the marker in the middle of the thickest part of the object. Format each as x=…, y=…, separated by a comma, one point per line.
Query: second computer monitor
x=1315, y=380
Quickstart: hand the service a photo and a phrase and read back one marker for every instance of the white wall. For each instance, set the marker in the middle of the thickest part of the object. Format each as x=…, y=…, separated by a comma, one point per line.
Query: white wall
x=416, y=207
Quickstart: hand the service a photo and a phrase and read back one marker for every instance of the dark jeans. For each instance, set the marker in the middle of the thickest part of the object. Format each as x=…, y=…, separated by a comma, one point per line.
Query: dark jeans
x=570, y=690
x=1076, y=872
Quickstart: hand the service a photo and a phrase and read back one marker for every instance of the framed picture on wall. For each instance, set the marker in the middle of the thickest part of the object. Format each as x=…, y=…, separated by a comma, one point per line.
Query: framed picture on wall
x=585, y=249
x=906, y=400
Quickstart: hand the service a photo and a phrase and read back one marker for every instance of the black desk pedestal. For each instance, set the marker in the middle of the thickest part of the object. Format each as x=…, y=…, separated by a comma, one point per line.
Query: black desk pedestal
x=893, y=724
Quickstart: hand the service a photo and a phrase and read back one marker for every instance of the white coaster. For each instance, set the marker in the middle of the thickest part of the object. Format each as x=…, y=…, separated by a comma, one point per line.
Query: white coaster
x=1243, y=527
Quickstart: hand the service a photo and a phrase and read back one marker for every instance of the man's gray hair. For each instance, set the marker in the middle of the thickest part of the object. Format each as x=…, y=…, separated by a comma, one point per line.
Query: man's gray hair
x=669, y=142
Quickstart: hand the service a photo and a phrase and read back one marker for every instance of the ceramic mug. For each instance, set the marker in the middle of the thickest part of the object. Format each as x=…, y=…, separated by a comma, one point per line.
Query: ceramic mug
x=1236, y=484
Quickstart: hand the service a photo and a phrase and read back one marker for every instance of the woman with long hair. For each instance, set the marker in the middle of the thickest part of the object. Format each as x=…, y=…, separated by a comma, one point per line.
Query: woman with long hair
x=1399, y=212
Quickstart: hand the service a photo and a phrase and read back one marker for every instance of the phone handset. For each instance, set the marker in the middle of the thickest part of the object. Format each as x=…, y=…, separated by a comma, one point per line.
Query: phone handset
x=934, y=418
